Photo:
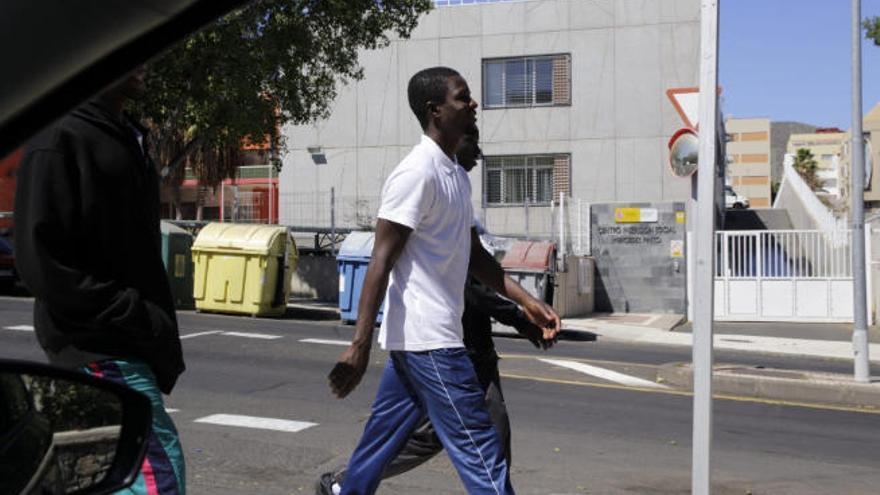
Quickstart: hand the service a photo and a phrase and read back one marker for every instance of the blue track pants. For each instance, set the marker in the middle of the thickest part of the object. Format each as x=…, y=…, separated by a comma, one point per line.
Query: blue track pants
x=442, y=385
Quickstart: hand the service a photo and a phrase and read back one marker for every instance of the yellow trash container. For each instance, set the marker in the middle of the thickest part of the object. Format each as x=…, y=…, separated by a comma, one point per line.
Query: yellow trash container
x=243, y=269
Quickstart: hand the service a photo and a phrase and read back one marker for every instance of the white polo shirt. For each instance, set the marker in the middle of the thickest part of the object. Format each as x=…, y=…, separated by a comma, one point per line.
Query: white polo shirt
x=431, y=194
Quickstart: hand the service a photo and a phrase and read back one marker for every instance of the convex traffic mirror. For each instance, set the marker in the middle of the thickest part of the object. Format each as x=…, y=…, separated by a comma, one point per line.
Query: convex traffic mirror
x=683, y=152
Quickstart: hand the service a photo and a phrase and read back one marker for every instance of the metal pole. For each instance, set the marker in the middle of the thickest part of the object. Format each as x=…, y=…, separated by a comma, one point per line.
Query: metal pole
x=857, y=179
x=869, y=275
x=561, y=249
x=271, y=199
x=222, y=201
x=333, y=221
x=526, y=212
x=705, y=249
x=580, y=230
x=589, y=229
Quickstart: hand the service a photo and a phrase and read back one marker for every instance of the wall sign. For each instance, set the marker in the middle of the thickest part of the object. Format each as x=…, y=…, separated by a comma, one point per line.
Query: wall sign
x=635, y=215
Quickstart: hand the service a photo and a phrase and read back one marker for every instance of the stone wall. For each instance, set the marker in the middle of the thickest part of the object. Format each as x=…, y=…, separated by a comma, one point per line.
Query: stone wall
x=315, y=278
x=640, y=253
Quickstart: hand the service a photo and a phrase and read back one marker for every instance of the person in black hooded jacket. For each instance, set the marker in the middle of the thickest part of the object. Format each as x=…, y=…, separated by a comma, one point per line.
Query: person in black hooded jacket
x=88, y=247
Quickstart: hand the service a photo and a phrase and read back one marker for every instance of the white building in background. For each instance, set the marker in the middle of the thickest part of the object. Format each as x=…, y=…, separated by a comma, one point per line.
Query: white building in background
x=572, y=100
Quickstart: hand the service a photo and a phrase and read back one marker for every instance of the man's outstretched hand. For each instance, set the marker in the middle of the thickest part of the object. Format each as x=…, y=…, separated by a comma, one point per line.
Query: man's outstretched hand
x=535, y=335
x=545, y=317
x=349, y=370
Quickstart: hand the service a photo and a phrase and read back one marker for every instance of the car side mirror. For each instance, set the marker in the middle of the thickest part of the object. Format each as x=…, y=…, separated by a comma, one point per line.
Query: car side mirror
x=66, y=432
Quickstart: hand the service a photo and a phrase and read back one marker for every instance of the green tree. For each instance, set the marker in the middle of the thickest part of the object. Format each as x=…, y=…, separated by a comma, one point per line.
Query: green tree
x=774, y=190
x=242, y=78
x=806, y=165
x=872, y=29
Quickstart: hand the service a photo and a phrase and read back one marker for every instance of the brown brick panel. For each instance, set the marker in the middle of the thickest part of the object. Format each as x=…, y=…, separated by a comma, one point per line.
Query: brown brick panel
x=562, y=80
x=561, y=175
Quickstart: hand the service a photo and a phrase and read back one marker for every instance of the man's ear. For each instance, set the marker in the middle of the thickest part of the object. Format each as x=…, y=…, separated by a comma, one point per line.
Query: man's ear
x=433, y=109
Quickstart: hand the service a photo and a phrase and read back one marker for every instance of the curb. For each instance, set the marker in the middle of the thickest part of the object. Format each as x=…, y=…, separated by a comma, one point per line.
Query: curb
x=786, y=385
x=312, y=312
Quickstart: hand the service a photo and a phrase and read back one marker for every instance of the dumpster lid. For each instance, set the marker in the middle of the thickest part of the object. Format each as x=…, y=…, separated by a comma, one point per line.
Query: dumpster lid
x=167, y=227
x=357, y=244
x=529, y=255
x=250, y=238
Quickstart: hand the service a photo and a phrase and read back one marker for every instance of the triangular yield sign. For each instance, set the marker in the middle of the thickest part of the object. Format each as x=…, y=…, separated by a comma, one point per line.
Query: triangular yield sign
x=687, y=103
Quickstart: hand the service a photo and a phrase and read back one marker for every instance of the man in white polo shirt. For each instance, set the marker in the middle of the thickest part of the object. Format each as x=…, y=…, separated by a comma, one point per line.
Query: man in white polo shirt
x=424, y=248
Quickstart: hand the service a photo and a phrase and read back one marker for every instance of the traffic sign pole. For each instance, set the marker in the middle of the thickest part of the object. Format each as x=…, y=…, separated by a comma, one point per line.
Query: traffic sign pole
x=861, y=365
x=705, y=250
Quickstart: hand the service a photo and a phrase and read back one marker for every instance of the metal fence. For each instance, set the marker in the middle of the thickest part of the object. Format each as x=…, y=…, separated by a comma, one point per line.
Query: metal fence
x=327, y=210
x=802, y=254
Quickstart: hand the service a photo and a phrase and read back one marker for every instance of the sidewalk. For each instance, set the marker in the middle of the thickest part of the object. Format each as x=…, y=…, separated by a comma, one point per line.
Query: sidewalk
x=799, y=387
x=829, y=341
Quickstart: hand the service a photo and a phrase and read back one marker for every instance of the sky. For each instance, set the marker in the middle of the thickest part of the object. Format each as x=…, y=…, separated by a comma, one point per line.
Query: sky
x=790, y=60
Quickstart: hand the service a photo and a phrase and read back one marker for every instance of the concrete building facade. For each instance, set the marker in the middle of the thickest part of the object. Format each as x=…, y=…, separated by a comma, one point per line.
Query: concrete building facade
x=748, y=152
x=572, y=101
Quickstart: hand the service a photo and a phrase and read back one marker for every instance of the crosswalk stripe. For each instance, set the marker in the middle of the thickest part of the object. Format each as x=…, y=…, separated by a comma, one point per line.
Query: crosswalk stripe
x=326, y=341
x=604, y=374
x=199, y=334
x=285, y=425
x=252, y=335
x=21, y=328
x=170, y=410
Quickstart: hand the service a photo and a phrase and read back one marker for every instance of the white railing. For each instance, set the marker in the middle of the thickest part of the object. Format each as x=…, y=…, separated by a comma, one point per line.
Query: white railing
x=822, y=216
x=324, y=210
x=566, y=222
x=783, y=254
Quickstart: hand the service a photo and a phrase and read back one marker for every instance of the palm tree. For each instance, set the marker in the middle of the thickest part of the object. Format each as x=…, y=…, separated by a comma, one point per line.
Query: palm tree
x=806, y=165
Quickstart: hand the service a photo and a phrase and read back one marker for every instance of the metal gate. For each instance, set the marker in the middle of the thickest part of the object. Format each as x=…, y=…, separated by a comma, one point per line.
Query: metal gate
x=783, y=275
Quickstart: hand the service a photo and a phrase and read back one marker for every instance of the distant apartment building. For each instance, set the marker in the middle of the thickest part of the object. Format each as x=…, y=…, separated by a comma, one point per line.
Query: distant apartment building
x=249, y=197
x=572, y=102
x=871, y=131
x=748, y=152
x=826, y=145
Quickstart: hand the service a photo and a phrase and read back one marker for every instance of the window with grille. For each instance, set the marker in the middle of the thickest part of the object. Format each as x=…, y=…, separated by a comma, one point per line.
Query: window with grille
x=527, y=81
x=515, y=180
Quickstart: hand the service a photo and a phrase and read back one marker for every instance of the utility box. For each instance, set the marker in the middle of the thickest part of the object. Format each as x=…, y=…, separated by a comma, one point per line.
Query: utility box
x=351, y=263
x=177, y=257
x=575, y=287
x=533, y=265
x=243, y=269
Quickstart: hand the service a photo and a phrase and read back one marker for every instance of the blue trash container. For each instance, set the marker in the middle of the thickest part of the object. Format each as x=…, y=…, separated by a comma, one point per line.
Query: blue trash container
x=352, y=261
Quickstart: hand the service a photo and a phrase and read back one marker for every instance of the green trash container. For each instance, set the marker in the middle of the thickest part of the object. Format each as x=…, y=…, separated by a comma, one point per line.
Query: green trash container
x=177, y=256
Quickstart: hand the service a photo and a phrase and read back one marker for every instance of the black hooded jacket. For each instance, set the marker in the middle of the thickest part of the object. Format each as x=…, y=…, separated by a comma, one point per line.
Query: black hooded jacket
x=480, y=305
x=88, y=245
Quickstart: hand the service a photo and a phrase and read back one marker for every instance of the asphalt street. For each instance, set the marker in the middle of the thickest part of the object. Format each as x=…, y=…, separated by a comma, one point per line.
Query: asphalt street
x=256, y=416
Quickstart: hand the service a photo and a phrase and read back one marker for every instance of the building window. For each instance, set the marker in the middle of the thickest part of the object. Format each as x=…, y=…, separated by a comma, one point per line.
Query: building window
x=514, y=180
x=527, y=81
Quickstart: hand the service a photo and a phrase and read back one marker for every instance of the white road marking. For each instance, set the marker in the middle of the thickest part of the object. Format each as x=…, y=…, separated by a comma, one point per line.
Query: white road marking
x=21, y=328
x=199, y=334
x=252, y=335
x=170, y=410
x=326, y=341
x=604, y=374
x=255, y=422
